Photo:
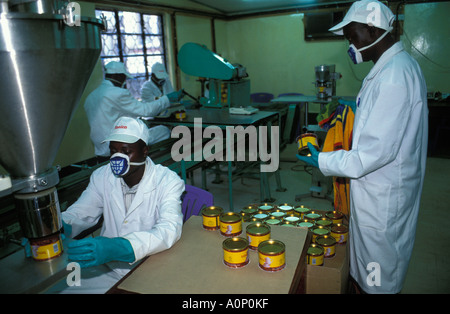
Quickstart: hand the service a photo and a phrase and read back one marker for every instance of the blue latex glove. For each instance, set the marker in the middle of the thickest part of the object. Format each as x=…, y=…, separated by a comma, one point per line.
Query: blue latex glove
x=99, y=250
x=67, y=229
x=350, y=103
x=175, y=96
x=312, y=160
x=27, y=247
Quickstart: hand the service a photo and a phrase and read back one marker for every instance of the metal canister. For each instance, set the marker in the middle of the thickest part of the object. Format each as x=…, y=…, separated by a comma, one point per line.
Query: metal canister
x=329, y=245
x=336, y=216
x=286, y=208
x=272, y=255
x=314, y=255
x=266, y=207
x=288, y=224
x=211, y=216
x=292, y=218
x=306, y=223
x=257, y=233
x=325, y=222
x=235, y=252
x=340, y=233
x=180, y=114
x=312, y=215
x=319, y=231
x=247, y=212
x=278, y=214
x=301, y=210
x=230, y=224
x=273, y=221
x=303, y=141
x=46, y=248
x=260, y=216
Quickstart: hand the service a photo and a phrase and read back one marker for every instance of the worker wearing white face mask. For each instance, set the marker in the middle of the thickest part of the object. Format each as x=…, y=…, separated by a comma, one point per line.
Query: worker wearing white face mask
x=158, y=85
x=387, y=159
x=140, y=204
x=111, y=100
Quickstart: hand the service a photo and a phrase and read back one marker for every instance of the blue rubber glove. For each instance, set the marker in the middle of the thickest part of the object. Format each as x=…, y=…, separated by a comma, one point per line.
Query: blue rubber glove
x=175, y=96
x=99, y=250
x=27, y=247
x=67, y=229
x=312, y=160
x=350, y=103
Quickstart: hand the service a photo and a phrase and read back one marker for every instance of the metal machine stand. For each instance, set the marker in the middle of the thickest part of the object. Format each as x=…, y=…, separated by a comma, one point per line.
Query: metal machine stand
x=320, y=187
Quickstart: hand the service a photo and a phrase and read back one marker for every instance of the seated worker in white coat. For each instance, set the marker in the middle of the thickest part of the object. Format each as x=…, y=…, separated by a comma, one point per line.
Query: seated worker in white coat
x=158, y=85
x=140, y=204
x=111, y=100
x=386, y=162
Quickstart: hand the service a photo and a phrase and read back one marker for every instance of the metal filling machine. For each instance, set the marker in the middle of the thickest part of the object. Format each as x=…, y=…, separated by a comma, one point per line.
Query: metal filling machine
x=47, y=54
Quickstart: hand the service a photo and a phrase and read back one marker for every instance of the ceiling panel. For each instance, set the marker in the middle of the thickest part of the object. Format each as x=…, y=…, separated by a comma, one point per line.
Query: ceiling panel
x=238, y=7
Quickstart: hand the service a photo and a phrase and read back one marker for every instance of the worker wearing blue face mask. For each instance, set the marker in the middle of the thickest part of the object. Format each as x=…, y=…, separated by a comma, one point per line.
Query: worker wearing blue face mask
x=140, y=204
x=386, y=163
x=112, y=100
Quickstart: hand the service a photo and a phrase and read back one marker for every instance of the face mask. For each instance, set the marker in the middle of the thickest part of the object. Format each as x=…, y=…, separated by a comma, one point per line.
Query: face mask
x=121, y=86
x=120, y=164
x=355, y=53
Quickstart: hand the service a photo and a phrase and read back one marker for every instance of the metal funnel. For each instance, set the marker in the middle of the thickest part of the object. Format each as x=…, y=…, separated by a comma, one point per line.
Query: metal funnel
x=45, y=65
x=46, y=60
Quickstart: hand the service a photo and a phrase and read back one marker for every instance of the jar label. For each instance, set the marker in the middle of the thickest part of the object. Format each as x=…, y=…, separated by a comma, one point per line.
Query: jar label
x=272, y=262
x=255, y=240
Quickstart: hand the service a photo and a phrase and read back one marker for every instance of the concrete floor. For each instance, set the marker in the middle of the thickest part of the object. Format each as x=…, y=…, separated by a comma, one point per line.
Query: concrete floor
x=427, y=273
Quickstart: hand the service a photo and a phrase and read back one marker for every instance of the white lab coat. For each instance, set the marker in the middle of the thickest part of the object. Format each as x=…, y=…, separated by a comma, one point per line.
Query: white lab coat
x=152, y=224
x=150, y=91
x=387, y=166
x=108, y=102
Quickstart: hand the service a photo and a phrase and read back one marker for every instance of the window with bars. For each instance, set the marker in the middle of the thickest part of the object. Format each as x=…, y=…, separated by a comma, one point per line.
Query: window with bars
x=137, y=40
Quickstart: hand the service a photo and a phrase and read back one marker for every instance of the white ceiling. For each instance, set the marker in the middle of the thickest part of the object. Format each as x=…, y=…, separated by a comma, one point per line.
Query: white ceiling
x=239, y=7
x=234, y=8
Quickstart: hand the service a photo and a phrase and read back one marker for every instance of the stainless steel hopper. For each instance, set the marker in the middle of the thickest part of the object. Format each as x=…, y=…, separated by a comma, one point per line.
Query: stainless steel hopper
x=45, y=64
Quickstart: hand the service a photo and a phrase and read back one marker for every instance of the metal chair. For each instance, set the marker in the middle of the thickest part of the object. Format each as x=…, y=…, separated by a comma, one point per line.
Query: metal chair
x=194, y=200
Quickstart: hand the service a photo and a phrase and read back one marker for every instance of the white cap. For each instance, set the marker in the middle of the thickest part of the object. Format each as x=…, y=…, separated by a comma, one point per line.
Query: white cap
x=159, y=71
x=370, y=12
x=128, y=130
x=115, y=67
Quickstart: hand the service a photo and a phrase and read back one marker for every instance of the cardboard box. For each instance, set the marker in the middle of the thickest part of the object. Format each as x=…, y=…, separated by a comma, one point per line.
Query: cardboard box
x=194, y=265
x=332, y=277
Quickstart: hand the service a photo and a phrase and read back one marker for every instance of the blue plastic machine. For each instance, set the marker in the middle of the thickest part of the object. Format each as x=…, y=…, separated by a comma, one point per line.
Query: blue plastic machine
x=228, y=83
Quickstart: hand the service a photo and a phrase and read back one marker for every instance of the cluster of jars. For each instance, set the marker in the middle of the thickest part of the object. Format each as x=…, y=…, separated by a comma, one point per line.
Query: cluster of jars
x=271, y=252
x=327, y=228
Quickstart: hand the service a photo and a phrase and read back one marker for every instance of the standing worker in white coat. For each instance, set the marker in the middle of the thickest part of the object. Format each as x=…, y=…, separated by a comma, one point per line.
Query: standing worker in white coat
x=158, y=85
x=387, y=159
x=111, y=100
x=140, y=204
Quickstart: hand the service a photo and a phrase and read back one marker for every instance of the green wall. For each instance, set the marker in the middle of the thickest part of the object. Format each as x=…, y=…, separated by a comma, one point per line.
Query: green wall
x=278, y=59
x=427, y=26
